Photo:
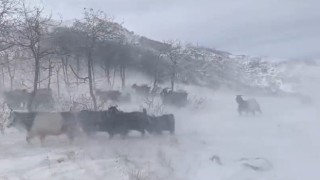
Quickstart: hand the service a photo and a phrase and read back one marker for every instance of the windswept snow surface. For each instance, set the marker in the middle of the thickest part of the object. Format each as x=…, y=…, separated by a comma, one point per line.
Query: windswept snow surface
x=211, y=143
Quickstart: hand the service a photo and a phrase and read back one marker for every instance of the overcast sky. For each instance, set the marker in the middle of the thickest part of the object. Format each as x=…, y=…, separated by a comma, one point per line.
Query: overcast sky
x=276, y=28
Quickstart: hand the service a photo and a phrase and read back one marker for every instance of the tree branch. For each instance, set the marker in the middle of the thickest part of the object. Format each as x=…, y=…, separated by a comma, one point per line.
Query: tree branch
x=85, y=78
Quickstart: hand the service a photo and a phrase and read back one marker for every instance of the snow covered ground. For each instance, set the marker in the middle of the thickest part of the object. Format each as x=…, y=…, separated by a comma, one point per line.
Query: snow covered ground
x=211, y=143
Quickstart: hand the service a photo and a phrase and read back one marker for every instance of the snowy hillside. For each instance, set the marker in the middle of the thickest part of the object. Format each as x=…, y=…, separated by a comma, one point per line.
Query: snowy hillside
x=215, y=69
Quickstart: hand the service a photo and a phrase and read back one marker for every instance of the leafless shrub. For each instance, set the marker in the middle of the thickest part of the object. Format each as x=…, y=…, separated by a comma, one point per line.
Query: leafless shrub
x=153, y=106
x=138, y=175
x=71, y=155
x=198, y=102
x=83, y=102
x=64, y=104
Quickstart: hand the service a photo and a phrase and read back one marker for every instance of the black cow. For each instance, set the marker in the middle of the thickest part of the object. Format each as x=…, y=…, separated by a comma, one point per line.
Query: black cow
x=113, y=95
x=95, y=121
x=175, y=98
x=42, y=124
x=142, y=90
x=43, y=99
x=161, y=123
x=247, y=106
x=123, y=122
x=17, y=99
x=90, y=121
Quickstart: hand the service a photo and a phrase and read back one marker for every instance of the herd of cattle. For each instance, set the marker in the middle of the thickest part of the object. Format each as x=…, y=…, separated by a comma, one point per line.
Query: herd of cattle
x=40, y=121
x=113, y=121
x=18, y=99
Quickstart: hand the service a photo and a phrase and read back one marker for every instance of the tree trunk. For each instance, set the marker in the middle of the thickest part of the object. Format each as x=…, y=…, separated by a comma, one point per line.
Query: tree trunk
x=3, y=78
x=123, y=76
x=156, y=73
x=78, y=68
x=107, y=72
x=58, y=82
x=11, y=83
x=91, y=81
x=172, y=81
x=173, y=76
x=39, y=78
x=93, y=76
x=65, y=71
x=155, y=80
x=50, y=73
x=114, y=77
x=35, y=83
x=11, y=74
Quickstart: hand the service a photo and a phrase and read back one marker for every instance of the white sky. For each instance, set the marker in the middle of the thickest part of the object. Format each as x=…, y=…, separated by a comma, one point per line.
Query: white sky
x=277, y=28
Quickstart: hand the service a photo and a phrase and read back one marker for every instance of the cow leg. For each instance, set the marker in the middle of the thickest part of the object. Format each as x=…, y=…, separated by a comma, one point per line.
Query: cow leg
x=239, y=111
x=29, y=137
x=70, y=137
x=2, y=129
x=171, y=131
x=110, y=134
x=172, y=127
x=143, y=132
x=124, y=134
x=42, y=138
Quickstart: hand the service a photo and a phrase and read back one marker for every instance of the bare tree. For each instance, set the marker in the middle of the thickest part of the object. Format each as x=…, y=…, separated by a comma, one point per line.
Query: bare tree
x=157, y=73
x=58, y=79
x=68, y=45
x=123, y=62
x=11, y=67
x=32, y=32
x=50, y=67
x=96, y=26
x=2, y=75
x=106, y=53
x=174, y=53
x=9, y=63
x=8, y=12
